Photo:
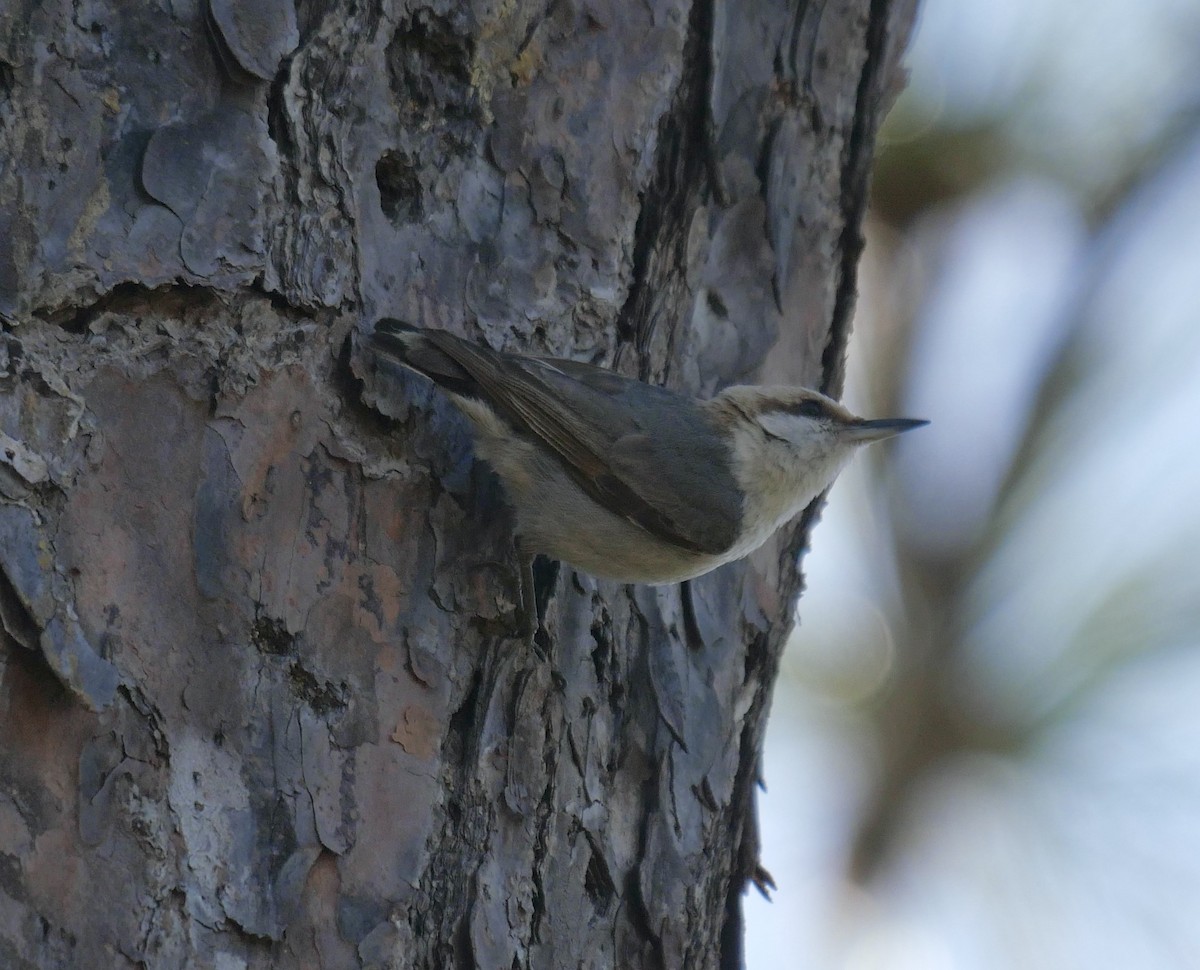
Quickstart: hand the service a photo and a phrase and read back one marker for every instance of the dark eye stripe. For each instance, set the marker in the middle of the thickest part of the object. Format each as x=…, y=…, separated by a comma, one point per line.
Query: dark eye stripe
x=810, y=407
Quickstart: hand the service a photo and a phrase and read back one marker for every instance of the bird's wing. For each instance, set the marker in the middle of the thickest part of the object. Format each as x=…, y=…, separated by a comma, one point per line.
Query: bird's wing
x=644, y=453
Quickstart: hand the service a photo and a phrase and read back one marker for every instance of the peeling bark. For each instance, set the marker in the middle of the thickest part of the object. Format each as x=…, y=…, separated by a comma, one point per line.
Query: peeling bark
x=261, y=704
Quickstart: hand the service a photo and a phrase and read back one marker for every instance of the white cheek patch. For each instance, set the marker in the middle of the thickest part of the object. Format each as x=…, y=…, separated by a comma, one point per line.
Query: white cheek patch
x=789, y=427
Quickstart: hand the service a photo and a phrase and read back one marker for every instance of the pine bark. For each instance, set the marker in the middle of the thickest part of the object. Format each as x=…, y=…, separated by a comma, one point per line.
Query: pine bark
x=260, y=701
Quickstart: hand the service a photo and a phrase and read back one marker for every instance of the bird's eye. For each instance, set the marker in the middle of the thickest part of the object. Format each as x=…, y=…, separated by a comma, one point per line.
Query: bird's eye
x=810, y=408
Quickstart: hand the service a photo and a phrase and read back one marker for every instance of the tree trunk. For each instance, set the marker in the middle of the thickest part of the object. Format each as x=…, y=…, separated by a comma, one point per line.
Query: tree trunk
x=261, y=701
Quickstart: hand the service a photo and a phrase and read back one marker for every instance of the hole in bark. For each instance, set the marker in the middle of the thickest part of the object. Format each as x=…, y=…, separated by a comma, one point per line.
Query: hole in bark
x=131, y=300
x=29, y=676
x=600, y=650
x=461, y=722
x=598, y=882
x=323, y=698
x=717, y=305
x=269, y=635
x=7, y=79
x=400, y=194
x=756, y=652
x=12, y=876
x=277, y=114
x=545, y=581
x=15, y=617
x=601, y=631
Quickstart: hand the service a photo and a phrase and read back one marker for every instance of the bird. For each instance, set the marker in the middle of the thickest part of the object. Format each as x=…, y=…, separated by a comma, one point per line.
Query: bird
x=630, y=481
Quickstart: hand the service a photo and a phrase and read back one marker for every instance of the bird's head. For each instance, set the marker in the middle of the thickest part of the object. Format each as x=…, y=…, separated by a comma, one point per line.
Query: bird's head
x=800, y=429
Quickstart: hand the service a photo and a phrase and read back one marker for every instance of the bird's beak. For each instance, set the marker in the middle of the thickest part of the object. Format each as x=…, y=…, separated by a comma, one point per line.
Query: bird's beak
x=864, y=432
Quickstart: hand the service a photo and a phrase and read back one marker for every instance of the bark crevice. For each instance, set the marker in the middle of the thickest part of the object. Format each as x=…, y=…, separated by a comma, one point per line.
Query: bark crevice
x=683, y=176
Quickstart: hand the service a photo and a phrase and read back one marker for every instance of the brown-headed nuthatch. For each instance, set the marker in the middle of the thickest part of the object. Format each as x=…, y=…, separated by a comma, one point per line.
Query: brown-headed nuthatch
x=633, y=482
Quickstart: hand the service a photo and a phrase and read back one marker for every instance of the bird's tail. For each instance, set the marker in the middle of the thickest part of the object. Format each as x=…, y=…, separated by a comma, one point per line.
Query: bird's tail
x=418, y=350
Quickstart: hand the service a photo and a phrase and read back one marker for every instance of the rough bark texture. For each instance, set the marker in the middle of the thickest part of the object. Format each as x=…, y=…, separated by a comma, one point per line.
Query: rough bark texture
x=259, y=700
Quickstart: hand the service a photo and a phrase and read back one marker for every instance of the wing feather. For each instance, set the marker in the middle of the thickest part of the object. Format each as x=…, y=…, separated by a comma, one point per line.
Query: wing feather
x=642, y=452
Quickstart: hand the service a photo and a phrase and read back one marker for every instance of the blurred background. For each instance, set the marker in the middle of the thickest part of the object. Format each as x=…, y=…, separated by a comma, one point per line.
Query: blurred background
x=984, y=750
